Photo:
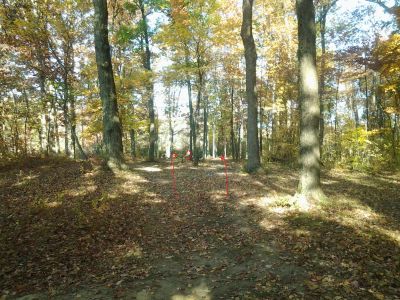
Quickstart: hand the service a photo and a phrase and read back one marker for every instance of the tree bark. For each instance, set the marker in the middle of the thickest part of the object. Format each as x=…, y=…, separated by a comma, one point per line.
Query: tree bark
x=65, y=117
x=200, y=86
x=322, y=22
x=322, y=78
x=133, y=142
x=191, y=118
x=309, y=185
x=261, y=112
x=205, y=128
x=73, y=124
x=233, y=148
x=367, y=125
x=44, y=120
x=27, y=116
x=213, y=141
x=112, y=128
x=150, y=87
x=253, y=161
x=56, y=131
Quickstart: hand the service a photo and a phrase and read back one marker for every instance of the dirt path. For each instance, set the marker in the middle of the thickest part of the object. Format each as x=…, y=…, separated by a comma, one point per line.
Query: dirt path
x=71, y=230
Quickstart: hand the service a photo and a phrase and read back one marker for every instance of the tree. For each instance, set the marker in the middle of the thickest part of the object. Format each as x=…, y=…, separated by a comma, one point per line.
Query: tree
x=393, y=10
x=65, y=23
x=189, y=35
x=253, y=162
x=325, y=7
x=309, y=185
x=150, y=87
x=112, y=129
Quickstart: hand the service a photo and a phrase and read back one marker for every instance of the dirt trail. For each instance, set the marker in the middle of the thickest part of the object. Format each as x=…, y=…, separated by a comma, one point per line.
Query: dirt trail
x=73, y=230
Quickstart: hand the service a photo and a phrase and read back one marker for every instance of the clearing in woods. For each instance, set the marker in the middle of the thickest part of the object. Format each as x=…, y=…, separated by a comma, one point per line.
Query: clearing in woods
x=71, y=229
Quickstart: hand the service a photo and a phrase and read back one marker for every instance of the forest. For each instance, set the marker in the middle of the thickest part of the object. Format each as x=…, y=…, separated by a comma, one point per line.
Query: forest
x=199, y=149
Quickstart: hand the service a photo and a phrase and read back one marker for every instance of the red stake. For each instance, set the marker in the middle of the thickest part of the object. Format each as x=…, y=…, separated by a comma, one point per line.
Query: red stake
x=226, y=175
x=174, y=155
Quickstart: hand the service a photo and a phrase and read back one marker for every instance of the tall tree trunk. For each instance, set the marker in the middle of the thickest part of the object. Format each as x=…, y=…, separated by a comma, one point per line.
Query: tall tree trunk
x=336, y=117
x=213, y=141
x=354, y=107
x=239, y=137
x=274, y=124
x=393, y=125
x=74, y=138
x=200, y=85
x=231, y=125
x=15, y=121
x=49, y=131
x=322, y=80
x=44, y=120
x=322, y=22
x=133, y=142
x=379, y=107
x=253, y=161
x=65, y=116
x=112, y=128
x=73, y=124
x=171, y=135
x=261, y=112
x=150, y=87
x=55, y=117
x=205, y=128
x=82, y=154
x=366, y=101
x=27, y=116
x=309, y=185
x=191, y=117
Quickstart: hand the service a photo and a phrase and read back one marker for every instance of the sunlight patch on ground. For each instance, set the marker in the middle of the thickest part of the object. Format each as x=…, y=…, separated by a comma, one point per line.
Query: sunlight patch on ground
x=151, y=169
x=271, y=222
x=260, y=201
x=302, y=202
x=24, y=180
x=365, y=217
x=392, y=234
x=154, y=200
x=150, y=194
x=83, y=190
x=218, y=196
x=302, y=232
x=356, y=215
x=365, y=214
x=130, y=176
x=279, y=210
x=135, y=251
x=267, y=203
x=242, y=174
x=222, y=173
x=329, y=181
x=255, y=182
x=163, y=181
x=201, y=292
x=129, y=183
x=52, y=204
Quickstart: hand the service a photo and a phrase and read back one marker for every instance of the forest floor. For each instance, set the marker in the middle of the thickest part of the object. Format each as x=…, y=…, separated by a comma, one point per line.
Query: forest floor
x=74, y=230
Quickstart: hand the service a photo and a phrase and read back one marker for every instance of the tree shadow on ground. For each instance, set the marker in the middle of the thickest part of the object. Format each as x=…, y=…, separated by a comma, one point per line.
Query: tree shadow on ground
x=379, y=194
x=130, y=237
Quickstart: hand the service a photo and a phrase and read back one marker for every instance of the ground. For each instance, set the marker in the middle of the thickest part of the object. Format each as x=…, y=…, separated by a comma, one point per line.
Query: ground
x=75, y=230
